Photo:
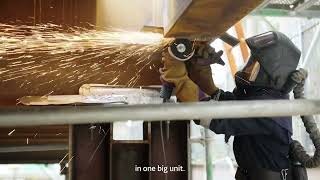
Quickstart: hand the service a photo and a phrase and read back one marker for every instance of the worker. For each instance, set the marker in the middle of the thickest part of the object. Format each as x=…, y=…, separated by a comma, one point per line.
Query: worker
x=261, y=145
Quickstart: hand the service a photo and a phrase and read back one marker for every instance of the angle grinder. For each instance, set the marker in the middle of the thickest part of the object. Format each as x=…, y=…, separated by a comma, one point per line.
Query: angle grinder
x=181, y=49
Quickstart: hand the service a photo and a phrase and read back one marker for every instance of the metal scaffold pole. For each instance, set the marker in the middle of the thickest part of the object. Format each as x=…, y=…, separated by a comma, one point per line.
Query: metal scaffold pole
x=50, y=115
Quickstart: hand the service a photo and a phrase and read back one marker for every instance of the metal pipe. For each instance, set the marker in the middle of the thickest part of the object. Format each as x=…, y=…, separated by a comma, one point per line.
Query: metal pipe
x=227, y=38
x=209, y=167
x=29, y=116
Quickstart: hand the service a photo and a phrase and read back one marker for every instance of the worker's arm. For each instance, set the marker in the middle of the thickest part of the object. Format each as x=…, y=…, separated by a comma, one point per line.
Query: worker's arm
x=243, y=126
x=238, y=126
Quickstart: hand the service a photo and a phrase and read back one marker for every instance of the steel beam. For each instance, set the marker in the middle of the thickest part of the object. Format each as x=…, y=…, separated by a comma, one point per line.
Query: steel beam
x=264, y=4
x=29, y=116
x=209, y=18
x=170, y=152
x=306, y=5
x=311, y=47
x=34, y=148
x=90, y=153
x=286, y=13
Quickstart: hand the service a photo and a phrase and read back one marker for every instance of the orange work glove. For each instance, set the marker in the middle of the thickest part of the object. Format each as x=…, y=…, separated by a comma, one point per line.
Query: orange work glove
x=174, y=72
x=199, y=68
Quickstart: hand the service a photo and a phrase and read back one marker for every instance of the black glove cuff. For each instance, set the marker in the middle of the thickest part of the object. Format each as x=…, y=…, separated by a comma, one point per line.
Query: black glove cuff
x=216, y=95
x=196, y=121
x=221, y=95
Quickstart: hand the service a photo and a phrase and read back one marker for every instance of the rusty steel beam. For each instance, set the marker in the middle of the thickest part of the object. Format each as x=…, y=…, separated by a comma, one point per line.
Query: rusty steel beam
x=210, y=18
x=175, y=149
x=89, y=153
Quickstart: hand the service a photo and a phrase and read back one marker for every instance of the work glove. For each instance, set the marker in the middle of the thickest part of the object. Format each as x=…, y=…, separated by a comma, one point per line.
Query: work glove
x=199, y=68
x=206, y=55
x=174, y=73
x=300, y=77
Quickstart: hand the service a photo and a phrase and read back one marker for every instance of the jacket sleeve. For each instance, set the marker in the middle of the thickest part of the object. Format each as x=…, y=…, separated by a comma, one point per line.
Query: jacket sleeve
x=243, y=126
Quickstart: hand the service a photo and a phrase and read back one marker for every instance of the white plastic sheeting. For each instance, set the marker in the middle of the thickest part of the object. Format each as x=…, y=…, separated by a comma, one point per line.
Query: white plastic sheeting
x=123, y=130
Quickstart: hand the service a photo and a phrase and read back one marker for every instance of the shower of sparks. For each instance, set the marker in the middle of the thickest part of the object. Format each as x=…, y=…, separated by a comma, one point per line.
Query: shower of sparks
x=63, y=158
x=101, y=141
x=51, y=54
x=66, y=164
x=11, y=132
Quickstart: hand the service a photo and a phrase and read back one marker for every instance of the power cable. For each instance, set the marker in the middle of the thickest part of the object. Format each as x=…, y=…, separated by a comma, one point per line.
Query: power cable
x=297, y=151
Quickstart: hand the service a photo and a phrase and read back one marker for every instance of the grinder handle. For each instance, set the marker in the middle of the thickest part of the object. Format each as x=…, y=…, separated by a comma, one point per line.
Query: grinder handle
x=166, y=92
x=227, y=38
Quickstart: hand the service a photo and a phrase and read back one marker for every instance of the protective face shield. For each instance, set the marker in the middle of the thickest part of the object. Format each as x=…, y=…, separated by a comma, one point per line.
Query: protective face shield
x=273, y=58
x=250, y=70
x=262, y=40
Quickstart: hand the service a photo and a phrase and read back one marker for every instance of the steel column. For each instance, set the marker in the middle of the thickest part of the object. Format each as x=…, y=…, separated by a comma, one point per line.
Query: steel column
x=306, y=5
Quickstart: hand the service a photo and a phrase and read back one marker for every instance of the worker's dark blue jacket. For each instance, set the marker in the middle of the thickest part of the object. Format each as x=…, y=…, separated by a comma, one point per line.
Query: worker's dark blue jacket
x=258, y=142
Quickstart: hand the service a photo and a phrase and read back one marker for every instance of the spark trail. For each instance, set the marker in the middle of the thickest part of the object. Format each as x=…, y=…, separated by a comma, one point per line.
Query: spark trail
x=51, y=54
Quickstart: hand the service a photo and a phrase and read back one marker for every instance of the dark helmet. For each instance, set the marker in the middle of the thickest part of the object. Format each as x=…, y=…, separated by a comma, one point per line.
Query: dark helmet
x=273, y=58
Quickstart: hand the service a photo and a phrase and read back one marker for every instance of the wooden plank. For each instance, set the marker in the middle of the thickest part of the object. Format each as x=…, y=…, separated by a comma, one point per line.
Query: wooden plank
x=210, y=18
x=232, y=63
x=243, y=45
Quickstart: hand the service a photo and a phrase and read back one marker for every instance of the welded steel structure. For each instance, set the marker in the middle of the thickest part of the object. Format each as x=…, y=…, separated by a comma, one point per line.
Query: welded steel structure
x=290, y=8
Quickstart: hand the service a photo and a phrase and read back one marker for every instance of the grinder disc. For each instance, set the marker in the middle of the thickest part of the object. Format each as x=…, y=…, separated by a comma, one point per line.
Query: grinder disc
x=181, y=49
